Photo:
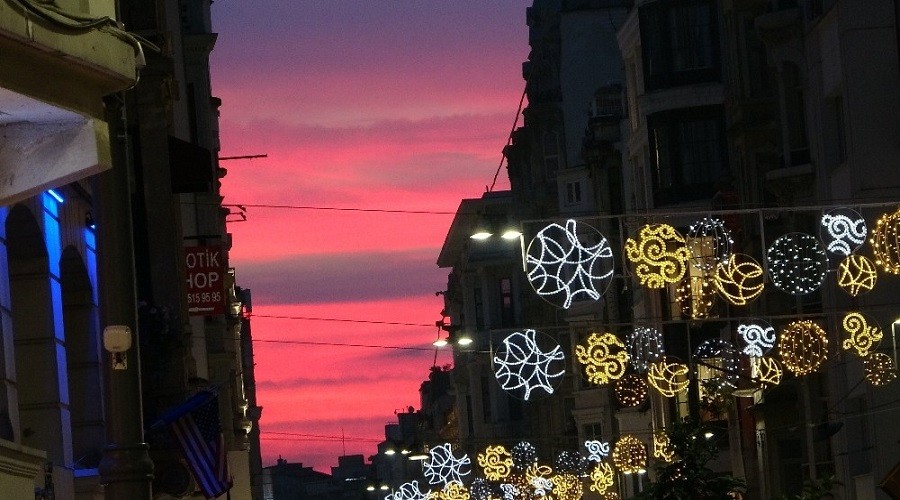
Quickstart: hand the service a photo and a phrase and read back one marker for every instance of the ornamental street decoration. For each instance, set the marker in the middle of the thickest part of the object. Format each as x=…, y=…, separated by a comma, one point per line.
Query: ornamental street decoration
x=567, y=487
x=602, y=478
x=603, y=357
x=722, y=359
x=630, y=455
x=631, y=390
x=524, y=455
x=645, y=345
x=797, y=263
x=757, y=337
x=765, y=371
x=480, y=489
x=884, y=242
x=571, y=462
x=803, y=347
x=539, y=477
x=709, y=243
x=843, y=230
x=857, y=275
x=879, y=368
x=863, y=334
x=669, y=379
x=522, y=366
x=569, y=263
x=408, y=491
x=662, y=447
x=696, y=295
x=659, y=255
x=597, y=450
x=452, y=491
x=442, y=467
x=739, y=280
x=496, y=462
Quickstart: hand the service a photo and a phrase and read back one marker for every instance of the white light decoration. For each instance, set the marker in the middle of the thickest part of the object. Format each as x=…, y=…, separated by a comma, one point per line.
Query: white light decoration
x=540, y=477
x=884, y=241
x=797, y=263
x=843, y=230
x=602, y=478
x=603, y=357
x=496, y=462
x=879, y=368
x=524, y=455
x=757, y=337
x=597, y=450
x=644, y=345
x=709, y=243
x=571, y=462
x=863, y=334
x=630, y=455
x=522, y=366
x=569, y=263
x=631, y=390
x=510, y=491
x=659, y=255
x=442, y=467
x=765, y=371
x=739, y=280
x=480, y=489
x=408, y=491
x=803, y=347
x=857, y=275
x=724, y=356
x=669, y=379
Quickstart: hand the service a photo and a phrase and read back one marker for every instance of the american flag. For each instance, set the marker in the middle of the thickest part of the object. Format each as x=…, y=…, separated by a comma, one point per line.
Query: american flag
x=195, y=424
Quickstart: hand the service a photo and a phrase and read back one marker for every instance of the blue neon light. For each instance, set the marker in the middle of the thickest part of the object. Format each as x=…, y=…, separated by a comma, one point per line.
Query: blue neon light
x=56, y=196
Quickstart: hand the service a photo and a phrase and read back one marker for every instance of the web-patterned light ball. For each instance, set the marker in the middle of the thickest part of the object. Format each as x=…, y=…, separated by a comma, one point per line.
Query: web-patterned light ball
x=630, y=455
x=631, y=390
x=797, y=263
x=709, y=243
x=644, y=345
x=659, y=255
x=885, y=242
x=843, y=230
x=803, y=347
x=857, y=275
x=529, y=364
x=879, y=368
x=739, y=280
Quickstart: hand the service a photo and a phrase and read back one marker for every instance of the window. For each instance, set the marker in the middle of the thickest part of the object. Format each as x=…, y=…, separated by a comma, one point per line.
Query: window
x=679, y=40
x=691, y=37
x=573, y=193
x=592, y=431
x=507, y=312
x=550, y=146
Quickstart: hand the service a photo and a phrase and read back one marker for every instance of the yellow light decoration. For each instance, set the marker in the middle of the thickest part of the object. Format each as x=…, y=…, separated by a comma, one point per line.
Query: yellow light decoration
x=631, y=390
x=603, y=356
x=803, y=347
x=630, y=455
x=863, y=335
x=611, y=496
x=879, y=368
x=857, y=275
x=662, y=447
x=567, y=487
x=452, y=491
x=539, y=478
x=655, y=263
x=884, y=242
x=739, y=280
x=496, y=462
x=668, y=378
x=602, y=478
x=696, y=295
x=765, y=371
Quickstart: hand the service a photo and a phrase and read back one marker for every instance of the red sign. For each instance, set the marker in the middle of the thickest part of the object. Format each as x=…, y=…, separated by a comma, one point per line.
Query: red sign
x=205, y=266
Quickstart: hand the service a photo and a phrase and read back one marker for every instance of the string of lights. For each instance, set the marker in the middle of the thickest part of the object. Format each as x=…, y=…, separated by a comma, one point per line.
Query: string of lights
x=342, y=320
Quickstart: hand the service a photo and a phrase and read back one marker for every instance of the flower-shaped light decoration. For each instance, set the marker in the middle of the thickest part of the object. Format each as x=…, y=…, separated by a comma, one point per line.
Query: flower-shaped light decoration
x=603, y=357
x=739, y=280
x=451, y=491
x=757, y=337
x=863, y=334
x=709, y=243
x=631, y=390
x=408, y=491
x=569, y=263
x=843, y=230
x=659, y=255
x=668, y=378
x=602, y=478
x=442, y=467
x=644, y=345
x=540, y=479
x=857, y=275
x=797, y=263
x=696, y=295
x=480, y=489
x=884, y=241
x=496, y=462
x=662, y=447
x=879, y=368
x=722, y=358
x=630, y=455
x=765, y=371
x=597, y=450
x=567, y=486
x=572, y=462
x=524, y=455
x=803, y=347
x=522, y=366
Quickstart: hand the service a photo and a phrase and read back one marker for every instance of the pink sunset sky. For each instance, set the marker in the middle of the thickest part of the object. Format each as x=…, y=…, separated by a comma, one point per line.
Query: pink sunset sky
x=394, y=104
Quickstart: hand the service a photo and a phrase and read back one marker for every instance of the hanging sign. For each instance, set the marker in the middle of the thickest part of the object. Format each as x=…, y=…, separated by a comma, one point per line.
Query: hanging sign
x=205, y=267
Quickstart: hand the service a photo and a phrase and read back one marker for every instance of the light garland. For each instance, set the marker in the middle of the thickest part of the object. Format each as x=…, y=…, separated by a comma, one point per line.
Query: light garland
x=524, y=455
x=630, y=455
x=739, y=280
x=863, y=334
x=722, y=354
x=765, y=371
x=408, y=491
x=709, y=243
x=597, y=450
x=797, y=263
x=644, y=345
x=696, y=295
x=631, y=390
x=521, y=365
x=496, y=462
x=662, y=447
x=655, y=264
x=602, y=478
x=884, y=242
x=879, y=368
x=843, y=230
x=566, y=264
x=757, y=336
x=603, y=357
x=668, y=378
x=803, y=347
x=857, y=275
x=442, y=467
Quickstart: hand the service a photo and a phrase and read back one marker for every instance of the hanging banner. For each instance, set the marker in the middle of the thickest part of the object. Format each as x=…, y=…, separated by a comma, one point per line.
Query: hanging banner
x=205, y=266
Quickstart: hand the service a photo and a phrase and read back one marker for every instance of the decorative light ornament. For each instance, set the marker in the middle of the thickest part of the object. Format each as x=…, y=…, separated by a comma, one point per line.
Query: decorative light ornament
x=723, y=356
x=739, y=280
x=863, y=334
x=655, y=263
x=803, y=347
x=843, y=230
x=480, y=489
x=709, y=243
x=408, y=491
x=511, y=491
x=765, y=371
x=631, y=390
x=597, y=450
x=662, y=447
x=567, y=487
x=757, y=337
x=521, y=366
x=857, y=275
x=645, y=345
x=884, y=241
x=566, y=264
x=630, y=455
x=442, y=467
x=611, y=496
x=496, y=462
x=879, y=368
x=603, y=357
x=696, y=295
x=451, y=491
x=539, y=477
x=602, y=478
x=571, y=462
x=668, y=378
x=797, y=263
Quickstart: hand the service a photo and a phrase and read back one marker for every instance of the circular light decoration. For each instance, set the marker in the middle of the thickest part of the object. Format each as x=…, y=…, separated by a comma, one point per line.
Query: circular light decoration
x=797, y=263
x=722, y=355
x=884, y=242
x=757, y=337
x=602, y=478
x=662, y=447
x=603, y=357
x=765, y=371
x=571, y=462
x=645, y=345
x=739, y=280
x=522, y=366
x=630, y=455
x=857, y=275
x=843, y=230
x=631, y=390
x=803, y=347
x=451, y=491
x=709, y=243
x=567, y=487
x=496, y=462
x=863, y=334
x=480, y=489
x=569, y=263
x=597, y=450
x=524, y=455
x=879, y=368
x=442, y=467
x=539, y=477
x=655, y=262
x=696, y=295
x=408, y=491
x=668, y=378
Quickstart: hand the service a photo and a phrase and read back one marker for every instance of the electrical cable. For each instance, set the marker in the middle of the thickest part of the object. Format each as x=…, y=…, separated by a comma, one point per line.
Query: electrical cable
x=244, y=206
x=509, y=138
x=341, y=320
